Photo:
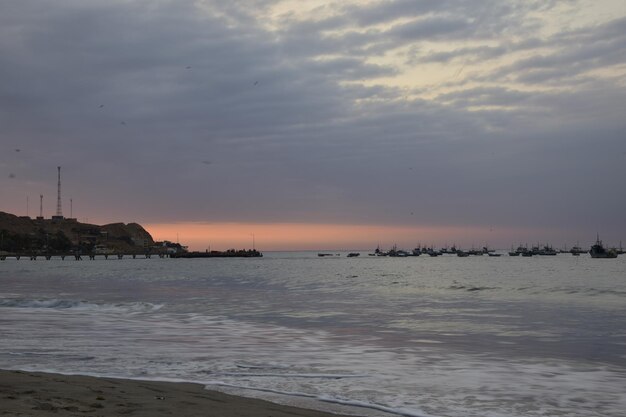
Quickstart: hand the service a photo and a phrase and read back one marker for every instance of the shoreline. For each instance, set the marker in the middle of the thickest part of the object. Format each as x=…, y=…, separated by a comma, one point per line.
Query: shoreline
x=41, y=394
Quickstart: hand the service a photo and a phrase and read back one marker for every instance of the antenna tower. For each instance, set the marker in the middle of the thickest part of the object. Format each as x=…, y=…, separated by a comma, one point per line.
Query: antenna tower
x=59, y=210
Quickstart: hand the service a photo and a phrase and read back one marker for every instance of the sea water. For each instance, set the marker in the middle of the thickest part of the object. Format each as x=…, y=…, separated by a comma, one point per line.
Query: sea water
x=418, y=336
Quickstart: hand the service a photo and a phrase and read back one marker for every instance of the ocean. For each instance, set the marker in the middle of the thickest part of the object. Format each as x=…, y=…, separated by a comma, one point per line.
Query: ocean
x=417, y=336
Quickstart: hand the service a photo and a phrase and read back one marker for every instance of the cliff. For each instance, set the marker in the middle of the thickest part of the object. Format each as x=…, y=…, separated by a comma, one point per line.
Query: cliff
x=23, y=234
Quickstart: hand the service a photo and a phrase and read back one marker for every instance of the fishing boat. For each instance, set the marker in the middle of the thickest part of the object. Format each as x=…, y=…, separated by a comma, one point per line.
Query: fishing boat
x=576, y=250
x=547, y=250
x=599, y=251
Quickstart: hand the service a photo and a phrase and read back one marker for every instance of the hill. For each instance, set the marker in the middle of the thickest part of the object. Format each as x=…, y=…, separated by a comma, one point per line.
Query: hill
x=24, y=234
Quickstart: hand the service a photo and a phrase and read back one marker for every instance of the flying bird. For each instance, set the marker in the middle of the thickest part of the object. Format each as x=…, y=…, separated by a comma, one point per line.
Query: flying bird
x=18, y=150
x=188, y=67
x=101, y=106
x=11, y=175
x=206, y=162
x=123, y=123
x=256, y=82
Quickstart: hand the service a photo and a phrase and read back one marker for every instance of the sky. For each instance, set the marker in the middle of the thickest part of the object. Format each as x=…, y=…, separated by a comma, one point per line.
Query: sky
x=316, y=124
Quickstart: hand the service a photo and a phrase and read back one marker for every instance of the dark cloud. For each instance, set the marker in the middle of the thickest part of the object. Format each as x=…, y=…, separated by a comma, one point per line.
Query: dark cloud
x=177, y=110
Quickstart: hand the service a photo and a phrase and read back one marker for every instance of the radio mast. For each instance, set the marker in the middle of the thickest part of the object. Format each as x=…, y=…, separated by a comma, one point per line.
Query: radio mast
x=59, y=215
x=40, y=207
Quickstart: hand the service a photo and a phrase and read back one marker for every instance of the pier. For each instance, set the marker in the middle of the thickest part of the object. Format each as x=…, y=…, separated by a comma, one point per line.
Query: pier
x=81, y=256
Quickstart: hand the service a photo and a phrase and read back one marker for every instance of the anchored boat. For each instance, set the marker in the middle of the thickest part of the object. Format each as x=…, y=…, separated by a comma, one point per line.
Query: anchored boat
x=599, y=251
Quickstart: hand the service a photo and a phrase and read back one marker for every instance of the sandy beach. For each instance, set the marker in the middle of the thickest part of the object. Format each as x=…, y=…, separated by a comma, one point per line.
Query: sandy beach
x=42, y=394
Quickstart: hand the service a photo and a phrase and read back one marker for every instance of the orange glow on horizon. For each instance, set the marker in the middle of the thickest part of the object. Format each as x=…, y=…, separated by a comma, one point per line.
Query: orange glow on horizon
x=303, y=236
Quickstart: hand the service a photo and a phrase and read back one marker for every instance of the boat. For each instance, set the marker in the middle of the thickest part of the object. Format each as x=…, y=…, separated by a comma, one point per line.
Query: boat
x=397, y=253
x=494, y=255
x=461, y=254
x=598, y=251
x=445, y=250
x=353, y=254
x=576, y=250
x=431, y=252
x=521, y=250
x=547, y=251
x=379, y=252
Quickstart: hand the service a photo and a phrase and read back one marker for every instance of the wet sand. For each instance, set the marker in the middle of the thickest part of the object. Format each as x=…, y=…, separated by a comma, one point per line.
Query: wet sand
x=42, y=394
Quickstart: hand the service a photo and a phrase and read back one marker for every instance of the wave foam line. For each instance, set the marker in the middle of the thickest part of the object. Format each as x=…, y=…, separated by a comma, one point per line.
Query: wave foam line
x=75, y=304
x=322, y=376
x=53, y=354
x=269, y=366
x=328, y=399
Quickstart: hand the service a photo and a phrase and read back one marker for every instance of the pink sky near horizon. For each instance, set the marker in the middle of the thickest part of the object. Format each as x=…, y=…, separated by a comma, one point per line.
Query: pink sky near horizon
x=302, y=236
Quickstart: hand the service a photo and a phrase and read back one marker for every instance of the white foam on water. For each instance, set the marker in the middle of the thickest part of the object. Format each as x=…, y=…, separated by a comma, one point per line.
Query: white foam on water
x=61, y=304
x=211, y=385
x=429, y=341
x=313, y=365
x=290, y=375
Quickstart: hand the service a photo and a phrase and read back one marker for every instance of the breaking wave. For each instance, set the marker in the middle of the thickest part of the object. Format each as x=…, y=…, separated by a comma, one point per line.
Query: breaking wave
x=59, y=304
x=324, y=398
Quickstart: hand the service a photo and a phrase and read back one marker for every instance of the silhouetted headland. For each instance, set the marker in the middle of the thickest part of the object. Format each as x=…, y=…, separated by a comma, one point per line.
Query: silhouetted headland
x=22, y=236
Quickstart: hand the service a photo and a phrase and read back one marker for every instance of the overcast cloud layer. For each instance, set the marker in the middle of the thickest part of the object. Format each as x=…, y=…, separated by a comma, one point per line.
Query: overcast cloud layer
x=495, y=113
